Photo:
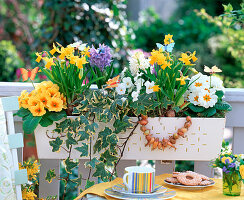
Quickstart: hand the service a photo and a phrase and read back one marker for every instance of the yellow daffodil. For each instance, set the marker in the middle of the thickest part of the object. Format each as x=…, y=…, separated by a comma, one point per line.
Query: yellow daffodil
x=166, y=64
x=28, y=194
x=86, y=52
x=168, y=39
x=155, y=88
x=185, y=59
x=80, y=62
x=55, y=49
x=182, y=79
x=66, y=52
x=193, y=57
x=38, y=57
x=73, y=59
x=49, y=62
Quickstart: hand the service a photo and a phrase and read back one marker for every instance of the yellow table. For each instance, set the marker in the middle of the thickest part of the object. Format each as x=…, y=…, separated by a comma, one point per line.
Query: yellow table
x=213, y=192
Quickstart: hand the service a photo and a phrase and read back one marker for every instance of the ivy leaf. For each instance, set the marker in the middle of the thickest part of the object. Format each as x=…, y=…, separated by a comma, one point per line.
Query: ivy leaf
x=121, y=125
x=196, y=109
x=50, y=175
x=91, y=127
x=77, y=181
x=83, y=135
x=113, y=139
x=84, y=120
x=100, y=171
x=56, y=144
x=63, y=125
x=97, y=146
x=70, y=140
x=69, y=165
x=103, y=135
x=108, y=158
x=92, y=163
x=83, y=149
x=89, y=184
x=30, y=123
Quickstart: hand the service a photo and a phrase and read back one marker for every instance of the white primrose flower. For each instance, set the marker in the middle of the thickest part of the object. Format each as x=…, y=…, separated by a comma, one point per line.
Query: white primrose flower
x=199, y=82
x=216, y=83
x=121, y=88
x=193, y=97
x=207, y=99
x=138, y=61
x=135, y=95
x=127, y=81
x=149, y=87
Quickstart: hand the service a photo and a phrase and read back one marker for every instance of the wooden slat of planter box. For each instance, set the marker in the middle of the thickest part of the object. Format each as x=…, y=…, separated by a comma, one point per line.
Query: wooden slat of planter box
x=203, y=141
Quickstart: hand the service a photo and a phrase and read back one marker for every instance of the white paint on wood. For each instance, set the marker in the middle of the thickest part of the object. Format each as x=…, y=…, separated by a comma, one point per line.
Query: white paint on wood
x=238, y=139
x=204, y=168
x=164, y=166
x=49, y=189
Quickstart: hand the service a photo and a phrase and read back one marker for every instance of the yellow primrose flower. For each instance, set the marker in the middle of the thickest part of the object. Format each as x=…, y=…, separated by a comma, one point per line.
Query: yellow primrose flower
x=223, y=160
x=168, y=39
x=49, y=62
x=53, y=92
x=86, y=52
x=38, y=110
x=155, y=88
x=182, y=79
x=242, y=171
x=55, y=104
x=38, y=57
x=43, y=97
x=80, y=62
x=23, y=99
x=185, y=59
x=63, y=98
x=33, y=101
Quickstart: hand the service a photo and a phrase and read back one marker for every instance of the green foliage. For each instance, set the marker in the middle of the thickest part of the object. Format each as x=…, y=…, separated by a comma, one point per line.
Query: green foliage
x=30, y=122
x=50, y=175
x=56, y=144
x=9, y=61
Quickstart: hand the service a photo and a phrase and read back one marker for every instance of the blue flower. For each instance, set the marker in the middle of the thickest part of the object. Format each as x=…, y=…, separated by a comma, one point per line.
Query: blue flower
x=225, y=170
x=231, y=165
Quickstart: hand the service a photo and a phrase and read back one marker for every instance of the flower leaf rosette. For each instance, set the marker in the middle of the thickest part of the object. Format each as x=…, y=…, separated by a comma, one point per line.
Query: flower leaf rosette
x=159, y=85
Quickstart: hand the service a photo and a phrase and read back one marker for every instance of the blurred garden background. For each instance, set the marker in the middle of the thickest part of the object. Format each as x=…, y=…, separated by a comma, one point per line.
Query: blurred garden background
x=214, y=28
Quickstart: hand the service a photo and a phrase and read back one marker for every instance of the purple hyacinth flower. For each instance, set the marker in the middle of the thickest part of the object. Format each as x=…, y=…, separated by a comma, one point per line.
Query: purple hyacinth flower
x=231, y=165
x=100, y=57
x=225, y=170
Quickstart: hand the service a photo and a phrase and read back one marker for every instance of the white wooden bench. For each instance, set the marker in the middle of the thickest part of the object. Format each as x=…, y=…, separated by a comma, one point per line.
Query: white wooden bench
x=235, y=121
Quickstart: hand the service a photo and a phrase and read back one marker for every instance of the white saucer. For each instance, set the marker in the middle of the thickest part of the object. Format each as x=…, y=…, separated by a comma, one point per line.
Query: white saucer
x=120, y=188
x=166, y=195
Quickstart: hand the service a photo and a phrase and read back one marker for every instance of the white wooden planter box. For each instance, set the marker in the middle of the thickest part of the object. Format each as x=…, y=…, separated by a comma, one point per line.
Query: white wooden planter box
x=203, y=141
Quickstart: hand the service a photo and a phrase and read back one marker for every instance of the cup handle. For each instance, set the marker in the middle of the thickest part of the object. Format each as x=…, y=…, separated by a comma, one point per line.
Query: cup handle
x=125, y=182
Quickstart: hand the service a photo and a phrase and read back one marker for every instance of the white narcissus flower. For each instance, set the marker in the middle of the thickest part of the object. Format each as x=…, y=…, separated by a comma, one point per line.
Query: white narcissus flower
x=138, y=61
x=149, y=87
x=207, y=99
x=127, y=81
x=135, y=95
x=139, y=83
x=122, y=74
x=216, y=83
x=121, y=88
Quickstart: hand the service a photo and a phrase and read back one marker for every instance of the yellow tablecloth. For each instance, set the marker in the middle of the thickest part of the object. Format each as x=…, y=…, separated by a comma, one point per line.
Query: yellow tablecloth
x=213, y=192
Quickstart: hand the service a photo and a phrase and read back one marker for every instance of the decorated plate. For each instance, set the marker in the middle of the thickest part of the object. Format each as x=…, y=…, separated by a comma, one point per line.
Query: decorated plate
x=188, y=186
x=166, y=195
x=158, y=189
